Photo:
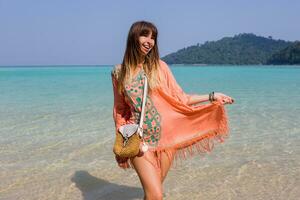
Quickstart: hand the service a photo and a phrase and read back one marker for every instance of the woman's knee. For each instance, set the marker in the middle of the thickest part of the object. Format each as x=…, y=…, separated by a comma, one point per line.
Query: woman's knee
x=154, y=191
x=154, y=194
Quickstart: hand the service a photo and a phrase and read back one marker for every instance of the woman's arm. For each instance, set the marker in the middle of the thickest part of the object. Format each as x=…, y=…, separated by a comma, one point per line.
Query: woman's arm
x=195, y=98
x=222, y=98
x=121, y=113
x=121, y=110
x=177, y=92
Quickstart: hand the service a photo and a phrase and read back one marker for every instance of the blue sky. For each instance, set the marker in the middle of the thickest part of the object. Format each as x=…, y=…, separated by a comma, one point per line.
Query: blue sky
x=55, y=32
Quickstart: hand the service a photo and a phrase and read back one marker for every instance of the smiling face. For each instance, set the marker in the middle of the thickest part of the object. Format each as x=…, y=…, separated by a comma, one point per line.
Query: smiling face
x=142, y=46
x=146, y=42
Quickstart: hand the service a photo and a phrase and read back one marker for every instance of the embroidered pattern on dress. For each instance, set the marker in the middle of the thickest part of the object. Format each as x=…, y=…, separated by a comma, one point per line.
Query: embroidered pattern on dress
x=152, y=119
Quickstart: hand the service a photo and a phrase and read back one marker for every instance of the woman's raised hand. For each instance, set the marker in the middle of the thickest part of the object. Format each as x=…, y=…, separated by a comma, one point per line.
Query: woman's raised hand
x=222, y=98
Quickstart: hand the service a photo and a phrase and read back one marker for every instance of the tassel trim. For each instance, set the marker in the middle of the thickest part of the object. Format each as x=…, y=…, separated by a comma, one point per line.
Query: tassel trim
x=199, y=145
x=196, y=146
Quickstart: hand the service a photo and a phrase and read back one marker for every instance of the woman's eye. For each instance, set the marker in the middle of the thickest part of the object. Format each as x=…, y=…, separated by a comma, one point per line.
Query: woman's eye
x=145, y=34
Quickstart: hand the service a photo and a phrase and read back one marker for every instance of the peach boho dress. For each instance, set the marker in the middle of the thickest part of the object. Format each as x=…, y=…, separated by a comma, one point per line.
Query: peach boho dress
x=170, y=124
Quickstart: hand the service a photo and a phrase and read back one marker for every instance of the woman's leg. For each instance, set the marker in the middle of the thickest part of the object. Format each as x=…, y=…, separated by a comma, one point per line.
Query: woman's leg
x=149, y=177
x=165, y=164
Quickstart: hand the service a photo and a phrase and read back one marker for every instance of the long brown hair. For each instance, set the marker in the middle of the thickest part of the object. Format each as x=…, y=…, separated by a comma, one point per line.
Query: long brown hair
x=133, y=55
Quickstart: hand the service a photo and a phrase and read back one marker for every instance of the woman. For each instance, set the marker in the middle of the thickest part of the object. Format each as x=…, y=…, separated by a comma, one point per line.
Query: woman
x=174, y=125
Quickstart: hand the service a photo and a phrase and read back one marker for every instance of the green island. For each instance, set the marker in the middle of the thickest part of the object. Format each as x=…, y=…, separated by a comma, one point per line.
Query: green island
x=241, y=49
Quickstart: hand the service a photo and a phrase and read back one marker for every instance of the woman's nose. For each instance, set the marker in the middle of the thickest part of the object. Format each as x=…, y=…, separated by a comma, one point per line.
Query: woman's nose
x=150, y=40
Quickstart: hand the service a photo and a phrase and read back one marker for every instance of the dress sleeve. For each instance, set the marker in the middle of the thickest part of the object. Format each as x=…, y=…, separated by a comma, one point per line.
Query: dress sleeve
x=121, y=110
x=172, y=86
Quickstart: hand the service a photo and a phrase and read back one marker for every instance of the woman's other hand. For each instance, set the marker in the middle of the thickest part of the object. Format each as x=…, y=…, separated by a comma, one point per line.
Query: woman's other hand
x=222, y=98
x=122, y=162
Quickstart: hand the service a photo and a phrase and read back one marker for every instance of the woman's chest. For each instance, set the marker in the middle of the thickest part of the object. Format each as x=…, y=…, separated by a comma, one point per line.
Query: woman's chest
x=134, y=92
x=152, y=119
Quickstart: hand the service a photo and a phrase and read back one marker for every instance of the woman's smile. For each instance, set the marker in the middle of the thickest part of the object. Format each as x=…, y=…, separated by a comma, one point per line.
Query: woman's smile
x=147, y=47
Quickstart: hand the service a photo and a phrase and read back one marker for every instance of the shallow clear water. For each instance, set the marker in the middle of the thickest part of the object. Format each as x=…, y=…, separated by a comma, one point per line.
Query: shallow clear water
x=56, y=135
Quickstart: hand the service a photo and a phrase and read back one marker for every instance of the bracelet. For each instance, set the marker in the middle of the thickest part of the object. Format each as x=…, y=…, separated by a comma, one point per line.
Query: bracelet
x=211, y=96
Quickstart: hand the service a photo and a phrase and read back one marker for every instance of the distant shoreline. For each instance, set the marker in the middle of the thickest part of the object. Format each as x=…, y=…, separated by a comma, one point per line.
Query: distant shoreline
x=173, y=65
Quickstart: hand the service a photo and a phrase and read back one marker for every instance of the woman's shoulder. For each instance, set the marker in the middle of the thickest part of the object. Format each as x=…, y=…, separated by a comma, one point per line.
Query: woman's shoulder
x=162, y=63
x=116, y=70
x=164, y=67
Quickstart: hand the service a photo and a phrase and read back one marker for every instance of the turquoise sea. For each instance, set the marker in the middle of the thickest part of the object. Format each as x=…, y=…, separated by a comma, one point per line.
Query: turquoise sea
x=57, y=132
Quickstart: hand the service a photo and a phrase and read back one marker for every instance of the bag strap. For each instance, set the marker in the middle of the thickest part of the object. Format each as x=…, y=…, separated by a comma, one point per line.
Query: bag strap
x=144, y=102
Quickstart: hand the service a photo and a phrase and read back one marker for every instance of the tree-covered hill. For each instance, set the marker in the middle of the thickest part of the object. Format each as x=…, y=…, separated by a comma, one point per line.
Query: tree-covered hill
x=289, y=55
x=246, y=48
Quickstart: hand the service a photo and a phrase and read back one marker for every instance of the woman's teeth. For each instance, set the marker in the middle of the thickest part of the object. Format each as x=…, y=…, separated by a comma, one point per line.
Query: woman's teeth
x=147, y=47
